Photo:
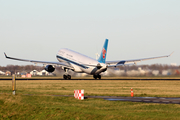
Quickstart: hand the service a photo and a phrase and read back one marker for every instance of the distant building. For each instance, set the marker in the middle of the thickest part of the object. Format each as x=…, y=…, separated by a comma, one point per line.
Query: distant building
x=34, y=72
x=8, y=73
x=173, y=64
x=2, y=73
x=43, y=72
x=155, y=72
x=23, y=73
x=165, y=72
x=177, y=72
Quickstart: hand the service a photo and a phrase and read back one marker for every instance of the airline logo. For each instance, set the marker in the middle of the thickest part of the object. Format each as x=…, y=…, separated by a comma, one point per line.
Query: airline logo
x=104, y=53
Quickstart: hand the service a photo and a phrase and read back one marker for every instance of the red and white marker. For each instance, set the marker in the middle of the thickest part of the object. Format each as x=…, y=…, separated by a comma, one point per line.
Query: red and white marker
x=79, y=94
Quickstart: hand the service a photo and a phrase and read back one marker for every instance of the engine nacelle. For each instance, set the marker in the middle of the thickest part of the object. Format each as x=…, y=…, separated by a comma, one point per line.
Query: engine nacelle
x=49, y=68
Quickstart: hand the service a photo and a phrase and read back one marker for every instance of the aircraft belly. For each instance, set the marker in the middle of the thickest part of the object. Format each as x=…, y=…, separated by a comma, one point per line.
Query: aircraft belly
x=88, y=70
x=98, y=71
x=76, y=68
x=94, y=70
x=60, y=60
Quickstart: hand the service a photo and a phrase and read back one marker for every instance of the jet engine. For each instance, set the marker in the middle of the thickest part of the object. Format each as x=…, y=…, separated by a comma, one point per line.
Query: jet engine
x=49, y=68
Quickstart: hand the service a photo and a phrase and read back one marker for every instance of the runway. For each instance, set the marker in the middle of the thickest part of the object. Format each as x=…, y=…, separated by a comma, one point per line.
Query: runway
x=56, y=78
x=140, y=99
x=161, y=100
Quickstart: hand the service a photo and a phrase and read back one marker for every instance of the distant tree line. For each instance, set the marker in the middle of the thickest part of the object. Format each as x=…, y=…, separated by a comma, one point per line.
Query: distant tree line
x=18, y=68
x=159, y=67
x=29, y=68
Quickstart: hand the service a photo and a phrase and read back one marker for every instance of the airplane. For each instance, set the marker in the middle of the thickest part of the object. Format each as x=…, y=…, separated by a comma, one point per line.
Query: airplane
x=77, y=62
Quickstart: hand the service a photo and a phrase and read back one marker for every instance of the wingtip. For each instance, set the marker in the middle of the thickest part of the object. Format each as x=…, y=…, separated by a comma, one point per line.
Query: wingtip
x=171, y=53
x=5, y=54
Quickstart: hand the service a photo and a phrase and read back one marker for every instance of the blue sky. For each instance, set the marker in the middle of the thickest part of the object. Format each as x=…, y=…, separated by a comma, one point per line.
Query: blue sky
x=36, y=30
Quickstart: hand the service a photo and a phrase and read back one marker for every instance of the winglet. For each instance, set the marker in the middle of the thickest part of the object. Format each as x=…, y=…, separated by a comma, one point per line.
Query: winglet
x=171, y=53
x=5, y=54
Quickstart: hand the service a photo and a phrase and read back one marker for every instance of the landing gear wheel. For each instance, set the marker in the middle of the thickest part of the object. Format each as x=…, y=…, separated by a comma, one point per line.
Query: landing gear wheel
x=67, y=77
x=97, y=76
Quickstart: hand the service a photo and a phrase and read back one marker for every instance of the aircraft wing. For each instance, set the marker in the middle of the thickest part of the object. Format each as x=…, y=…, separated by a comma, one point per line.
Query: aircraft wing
x=41, y=62
x=131, y=62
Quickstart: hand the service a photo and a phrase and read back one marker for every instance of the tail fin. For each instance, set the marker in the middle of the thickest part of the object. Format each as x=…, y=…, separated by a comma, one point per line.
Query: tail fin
x=102, y=58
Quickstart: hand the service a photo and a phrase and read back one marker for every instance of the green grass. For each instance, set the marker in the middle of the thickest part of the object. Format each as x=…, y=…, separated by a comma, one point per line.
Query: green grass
x=47, y=107
x=38, y=106
x=95, y=87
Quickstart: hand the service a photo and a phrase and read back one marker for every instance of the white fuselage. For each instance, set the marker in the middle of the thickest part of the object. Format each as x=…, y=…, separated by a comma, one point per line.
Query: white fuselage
x=80, y=62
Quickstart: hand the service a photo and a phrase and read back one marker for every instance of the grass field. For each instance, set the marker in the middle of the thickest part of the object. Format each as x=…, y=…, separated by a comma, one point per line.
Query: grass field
x=38, y=106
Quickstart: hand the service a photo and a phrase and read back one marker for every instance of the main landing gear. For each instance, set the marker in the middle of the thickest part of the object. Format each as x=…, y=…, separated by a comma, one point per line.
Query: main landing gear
x=97, y=76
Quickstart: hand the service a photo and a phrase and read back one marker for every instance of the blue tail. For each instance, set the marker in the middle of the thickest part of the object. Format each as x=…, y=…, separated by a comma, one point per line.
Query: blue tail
x=102, y=58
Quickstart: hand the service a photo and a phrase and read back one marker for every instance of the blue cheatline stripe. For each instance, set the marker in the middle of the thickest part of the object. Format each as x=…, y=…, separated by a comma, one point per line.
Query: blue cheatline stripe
x=70, y=61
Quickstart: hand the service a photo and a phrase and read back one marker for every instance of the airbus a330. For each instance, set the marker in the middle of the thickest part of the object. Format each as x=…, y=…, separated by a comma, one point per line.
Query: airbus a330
x=77, y=62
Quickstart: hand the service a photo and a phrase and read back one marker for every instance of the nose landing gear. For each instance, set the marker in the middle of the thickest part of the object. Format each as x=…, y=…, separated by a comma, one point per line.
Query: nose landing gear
x=67, y=77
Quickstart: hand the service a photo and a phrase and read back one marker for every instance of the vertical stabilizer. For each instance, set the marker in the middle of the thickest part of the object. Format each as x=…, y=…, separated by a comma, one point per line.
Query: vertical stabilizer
x=102, y=58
